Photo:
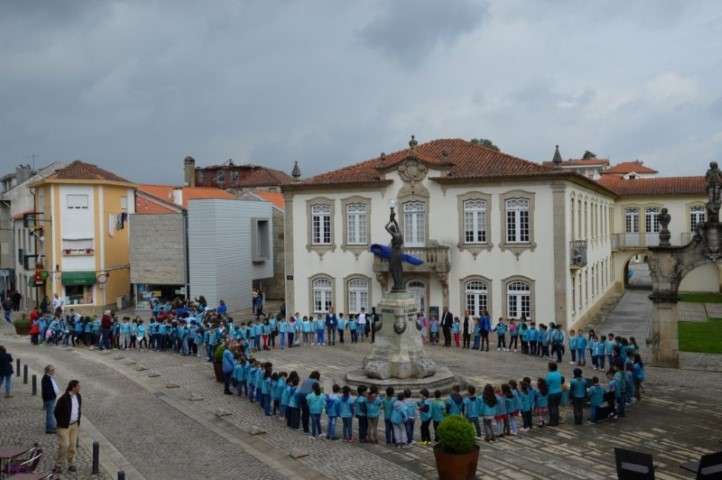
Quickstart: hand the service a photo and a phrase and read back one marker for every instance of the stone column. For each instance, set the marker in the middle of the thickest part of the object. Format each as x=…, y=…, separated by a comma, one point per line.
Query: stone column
x=288, y=254
x=561, y=261
x=664, y=338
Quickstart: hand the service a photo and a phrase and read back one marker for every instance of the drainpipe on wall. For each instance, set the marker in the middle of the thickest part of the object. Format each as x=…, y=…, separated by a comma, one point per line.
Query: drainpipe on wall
x=187, y=254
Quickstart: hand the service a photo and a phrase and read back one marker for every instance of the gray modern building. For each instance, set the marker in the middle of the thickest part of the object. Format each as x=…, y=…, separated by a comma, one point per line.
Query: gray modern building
x=211, y=247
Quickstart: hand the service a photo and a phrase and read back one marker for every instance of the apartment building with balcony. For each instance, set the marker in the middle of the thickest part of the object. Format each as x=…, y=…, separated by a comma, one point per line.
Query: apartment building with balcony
x=495, y=232
x=83, y=211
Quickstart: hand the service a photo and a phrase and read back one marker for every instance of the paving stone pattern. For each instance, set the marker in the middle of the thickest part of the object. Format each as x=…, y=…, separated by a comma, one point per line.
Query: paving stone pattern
x=168, y=433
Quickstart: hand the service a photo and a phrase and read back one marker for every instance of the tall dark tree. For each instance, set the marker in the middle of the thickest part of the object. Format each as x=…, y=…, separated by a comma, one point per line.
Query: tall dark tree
x=587, y=155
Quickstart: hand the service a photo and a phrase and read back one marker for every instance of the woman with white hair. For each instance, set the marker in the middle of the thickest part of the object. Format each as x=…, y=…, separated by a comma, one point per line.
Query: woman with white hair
x=50, y=392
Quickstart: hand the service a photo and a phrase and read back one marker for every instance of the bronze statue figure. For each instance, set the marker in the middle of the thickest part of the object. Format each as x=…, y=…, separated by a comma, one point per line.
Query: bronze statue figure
x=395, y=259
x=713, y=179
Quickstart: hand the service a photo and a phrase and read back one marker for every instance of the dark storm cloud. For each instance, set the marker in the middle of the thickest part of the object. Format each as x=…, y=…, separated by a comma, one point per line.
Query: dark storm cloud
x=135, y=86
x=408, y=30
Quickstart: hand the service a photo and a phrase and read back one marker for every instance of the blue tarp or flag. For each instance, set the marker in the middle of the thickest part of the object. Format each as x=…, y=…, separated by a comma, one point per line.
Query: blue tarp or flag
x=384, y=251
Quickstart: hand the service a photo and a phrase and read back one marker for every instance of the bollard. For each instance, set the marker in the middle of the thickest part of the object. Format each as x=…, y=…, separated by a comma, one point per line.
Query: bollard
x=96, y=458
x=17, y=365
x=25, y=374
x=35, y=384
x=121, y=475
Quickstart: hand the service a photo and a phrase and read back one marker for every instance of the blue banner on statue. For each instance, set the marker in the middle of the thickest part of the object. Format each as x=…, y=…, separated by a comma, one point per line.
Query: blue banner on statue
x=384, y=251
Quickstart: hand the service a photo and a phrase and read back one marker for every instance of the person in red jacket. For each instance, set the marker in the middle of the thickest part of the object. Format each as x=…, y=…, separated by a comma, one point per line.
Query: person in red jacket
x=106, y=323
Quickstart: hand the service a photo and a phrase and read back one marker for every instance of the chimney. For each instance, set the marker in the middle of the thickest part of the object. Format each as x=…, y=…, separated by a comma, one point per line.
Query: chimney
x=189, y=171
x=557, y=160
x=296, y=172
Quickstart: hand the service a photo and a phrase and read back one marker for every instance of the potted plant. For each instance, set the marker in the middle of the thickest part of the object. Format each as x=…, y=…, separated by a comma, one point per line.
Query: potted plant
x=22, y=325
x=218, y=361
x=457, y=452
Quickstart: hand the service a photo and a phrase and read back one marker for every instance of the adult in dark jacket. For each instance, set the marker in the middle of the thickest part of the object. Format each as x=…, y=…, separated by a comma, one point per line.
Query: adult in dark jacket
x=6, y=371
x=68, y=410
x=50, y=391
x=447, y=320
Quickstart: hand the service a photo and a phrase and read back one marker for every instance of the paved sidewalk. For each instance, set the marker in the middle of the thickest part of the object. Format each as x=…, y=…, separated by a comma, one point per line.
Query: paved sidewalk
x=22, y=424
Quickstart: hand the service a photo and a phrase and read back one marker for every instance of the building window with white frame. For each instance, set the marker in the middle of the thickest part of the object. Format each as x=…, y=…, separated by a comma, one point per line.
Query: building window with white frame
x=696, y=217
x=518, y=299
x=517, y=220
x=651, y=219
x=76, y=201
x=322, y=289
x=356, y=221
x=476, y=294
x=321, y=224
x=475, y=221
x=358, y=294
x=414, y=224
x=631, y=220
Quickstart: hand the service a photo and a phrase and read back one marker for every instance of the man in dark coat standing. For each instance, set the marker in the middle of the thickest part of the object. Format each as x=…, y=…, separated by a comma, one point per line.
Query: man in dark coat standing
x=50, y=392
x=447, y=320
x=67, y=416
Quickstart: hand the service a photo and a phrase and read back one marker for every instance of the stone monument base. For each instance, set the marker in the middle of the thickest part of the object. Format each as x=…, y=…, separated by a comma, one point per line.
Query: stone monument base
x=442, y=380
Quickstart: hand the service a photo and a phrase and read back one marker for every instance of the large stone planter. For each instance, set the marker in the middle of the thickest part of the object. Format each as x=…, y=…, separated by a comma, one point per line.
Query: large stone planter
x=22, y=325
x=451, y=466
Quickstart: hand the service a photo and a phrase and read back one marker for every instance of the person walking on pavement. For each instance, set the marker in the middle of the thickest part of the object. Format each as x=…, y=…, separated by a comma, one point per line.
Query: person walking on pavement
x=6, y=371
x=50, y=391
x=68, y=411
x=447, y=320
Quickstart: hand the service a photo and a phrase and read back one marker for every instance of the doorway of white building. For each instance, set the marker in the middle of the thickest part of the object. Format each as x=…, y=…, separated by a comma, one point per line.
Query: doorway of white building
x=418, y=289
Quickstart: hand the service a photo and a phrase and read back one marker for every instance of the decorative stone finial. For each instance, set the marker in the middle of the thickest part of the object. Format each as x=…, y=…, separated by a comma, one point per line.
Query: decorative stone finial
x=557, y=160
x=413, y=142
x=296, y=172
x=382, y=157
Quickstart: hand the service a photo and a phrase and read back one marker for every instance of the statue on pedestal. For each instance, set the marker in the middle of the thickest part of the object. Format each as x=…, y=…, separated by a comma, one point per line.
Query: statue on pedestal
x=713, y=179
x=396, y=268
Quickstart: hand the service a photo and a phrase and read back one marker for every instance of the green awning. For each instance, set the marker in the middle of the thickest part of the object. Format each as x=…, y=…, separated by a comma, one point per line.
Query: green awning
x=78, y=278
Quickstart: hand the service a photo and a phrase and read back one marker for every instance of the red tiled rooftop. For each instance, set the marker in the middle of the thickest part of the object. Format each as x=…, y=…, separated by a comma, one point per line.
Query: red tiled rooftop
x=79, y=170
x=654, y=186
x=276, y=198
x=248, y=176
x=165, y=193
x=461, y=159
x=145, y=206
x=629, y=167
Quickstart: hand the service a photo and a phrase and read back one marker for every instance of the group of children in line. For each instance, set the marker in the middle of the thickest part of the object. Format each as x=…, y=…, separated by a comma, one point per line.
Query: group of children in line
x=506, y=409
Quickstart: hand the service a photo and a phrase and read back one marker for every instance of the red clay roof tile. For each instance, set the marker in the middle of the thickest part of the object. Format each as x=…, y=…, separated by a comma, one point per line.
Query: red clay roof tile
x=654, y=186
x=79, y=170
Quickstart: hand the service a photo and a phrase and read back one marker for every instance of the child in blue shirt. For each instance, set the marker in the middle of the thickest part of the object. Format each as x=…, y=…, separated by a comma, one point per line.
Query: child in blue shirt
x=456, y=331
x=512, y=409
x=438, y=412
x=500, y=330
x=596, y=398
x=573, y=346
x=578, y=394
x=489, y=411
x=398, y=420
x=279, y=385
x=581, y=351
x=526, y=400
x=599, y=352
x=316, y=401
x=373, y=410
x=502, y=416
x=410, y=416
x=345, y=411
x=424, y=407
x=639, y=375
x=434, y=331
x=293, y=414
x=455, y=402
x=332, y=411
x=471, y=409
x=352, y=328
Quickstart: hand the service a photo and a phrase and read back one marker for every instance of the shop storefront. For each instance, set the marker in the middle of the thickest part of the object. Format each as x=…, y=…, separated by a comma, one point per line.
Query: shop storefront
x=79, y=287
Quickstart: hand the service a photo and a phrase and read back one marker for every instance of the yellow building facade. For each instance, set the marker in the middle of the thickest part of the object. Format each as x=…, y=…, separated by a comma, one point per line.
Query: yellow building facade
x=84, y=247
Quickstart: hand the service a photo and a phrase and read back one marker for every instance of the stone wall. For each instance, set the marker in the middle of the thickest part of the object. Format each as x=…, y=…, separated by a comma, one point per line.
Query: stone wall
x=700, y=361
x=158, y=249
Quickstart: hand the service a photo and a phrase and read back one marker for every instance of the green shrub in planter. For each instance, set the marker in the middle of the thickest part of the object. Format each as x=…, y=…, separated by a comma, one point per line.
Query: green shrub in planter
x=22, y=325
x=456, y=435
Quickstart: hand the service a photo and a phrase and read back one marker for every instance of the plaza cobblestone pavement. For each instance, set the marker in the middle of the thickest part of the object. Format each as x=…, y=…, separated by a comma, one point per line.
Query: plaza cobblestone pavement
x=175, y=432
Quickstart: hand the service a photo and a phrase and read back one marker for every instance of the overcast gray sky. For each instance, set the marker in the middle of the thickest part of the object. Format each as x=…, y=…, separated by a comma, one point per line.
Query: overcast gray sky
x=136, y=86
